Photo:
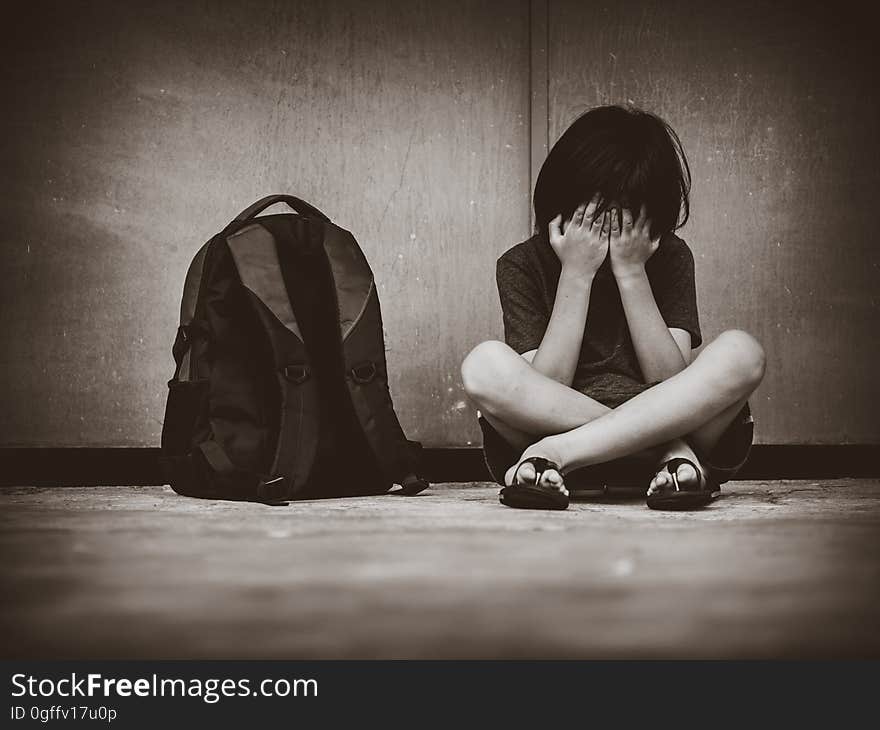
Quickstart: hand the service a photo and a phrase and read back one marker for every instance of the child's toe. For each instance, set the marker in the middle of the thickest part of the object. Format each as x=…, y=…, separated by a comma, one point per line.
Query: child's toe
x=553, y=479
x=659, y=482
x=686, y=474
x=526, y=474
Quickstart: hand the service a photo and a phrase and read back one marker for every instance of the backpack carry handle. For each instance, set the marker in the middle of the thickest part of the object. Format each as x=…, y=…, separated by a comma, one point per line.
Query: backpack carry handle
x=298, y=205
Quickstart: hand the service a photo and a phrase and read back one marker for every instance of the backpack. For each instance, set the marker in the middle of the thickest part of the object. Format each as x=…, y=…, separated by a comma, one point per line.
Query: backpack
x=280, y=387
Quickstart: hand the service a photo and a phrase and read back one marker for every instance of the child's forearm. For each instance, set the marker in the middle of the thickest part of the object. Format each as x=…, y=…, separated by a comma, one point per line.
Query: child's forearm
x=557, y=357
x=658, y=353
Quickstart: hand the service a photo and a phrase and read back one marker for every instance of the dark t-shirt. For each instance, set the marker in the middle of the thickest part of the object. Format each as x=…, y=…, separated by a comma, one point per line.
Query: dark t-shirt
x=527, y=277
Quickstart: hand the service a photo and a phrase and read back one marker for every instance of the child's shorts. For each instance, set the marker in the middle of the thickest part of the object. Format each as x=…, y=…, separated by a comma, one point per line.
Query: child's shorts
x=726, y=459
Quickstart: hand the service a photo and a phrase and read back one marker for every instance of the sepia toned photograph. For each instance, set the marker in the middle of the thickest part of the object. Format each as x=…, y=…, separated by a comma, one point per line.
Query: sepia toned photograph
x=461, y=330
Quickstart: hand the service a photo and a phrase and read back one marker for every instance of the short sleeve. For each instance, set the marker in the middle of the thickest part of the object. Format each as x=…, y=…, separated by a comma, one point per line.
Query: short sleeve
x=675, y=290
x=523, y=310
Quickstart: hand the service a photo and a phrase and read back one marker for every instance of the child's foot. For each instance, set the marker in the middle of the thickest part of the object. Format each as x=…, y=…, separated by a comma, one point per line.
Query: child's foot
x=535, y=482
x=691, y=477
x=525, y=474
x=688, y=479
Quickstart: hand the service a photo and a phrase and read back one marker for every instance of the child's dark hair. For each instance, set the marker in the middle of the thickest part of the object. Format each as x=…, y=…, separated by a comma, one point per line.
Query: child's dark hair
x=627, y=156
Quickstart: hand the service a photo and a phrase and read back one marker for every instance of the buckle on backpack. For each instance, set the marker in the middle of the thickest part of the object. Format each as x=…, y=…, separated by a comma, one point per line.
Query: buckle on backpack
x=297, y=374
x=363, y=373
x=271, y=490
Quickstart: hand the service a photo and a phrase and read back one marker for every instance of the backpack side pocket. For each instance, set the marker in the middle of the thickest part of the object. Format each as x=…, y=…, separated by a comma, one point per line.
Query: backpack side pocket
x=185, y=418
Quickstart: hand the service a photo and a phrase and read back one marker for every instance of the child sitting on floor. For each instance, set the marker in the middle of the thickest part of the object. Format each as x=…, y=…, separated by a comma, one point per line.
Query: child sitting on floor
x=600, y=320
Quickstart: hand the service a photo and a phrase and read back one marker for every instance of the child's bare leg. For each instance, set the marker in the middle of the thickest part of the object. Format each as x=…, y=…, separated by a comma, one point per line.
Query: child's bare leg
x=695, y=402
x=521, y=403
x=524, y=405
x=704, y=438
x=505, y=387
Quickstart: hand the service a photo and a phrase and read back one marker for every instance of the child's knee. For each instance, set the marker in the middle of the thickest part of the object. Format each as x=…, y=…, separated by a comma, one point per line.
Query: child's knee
x=488, y=370
x=744, y=357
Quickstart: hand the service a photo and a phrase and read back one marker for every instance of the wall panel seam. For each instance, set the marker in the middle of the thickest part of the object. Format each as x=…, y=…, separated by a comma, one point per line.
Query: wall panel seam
x=539, y=91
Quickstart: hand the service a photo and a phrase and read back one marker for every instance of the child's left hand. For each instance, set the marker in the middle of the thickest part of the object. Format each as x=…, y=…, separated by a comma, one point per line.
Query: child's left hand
x=631, y=244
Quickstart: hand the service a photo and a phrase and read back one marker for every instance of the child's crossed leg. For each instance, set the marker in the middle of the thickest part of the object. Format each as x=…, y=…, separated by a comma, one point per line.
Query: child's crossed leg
x=551, y=420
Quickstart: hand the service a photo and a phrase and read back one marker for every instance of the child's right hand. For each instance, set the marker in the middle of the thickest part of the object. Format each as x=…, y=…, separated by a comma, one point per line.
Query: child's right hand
x=584, y=245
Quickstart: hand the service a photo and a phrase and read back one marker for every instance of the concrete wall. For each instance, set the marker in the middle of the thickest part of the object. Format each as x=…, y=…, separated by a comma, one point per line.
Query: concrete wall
x=136, y=134
x=133, y=133
x=777, y=108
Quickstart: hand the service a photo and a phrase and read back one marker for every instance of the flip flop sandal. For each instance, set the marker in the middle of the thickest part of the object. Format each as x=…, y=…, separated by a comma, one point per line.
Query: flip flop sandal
x=681, y=497
x=534, y=496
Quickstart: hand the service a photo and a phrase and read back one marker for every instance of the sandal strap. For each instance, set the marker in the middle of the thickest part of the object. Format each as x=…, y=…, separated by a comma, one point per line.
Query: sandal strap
x=540, y=464
x=671, y=467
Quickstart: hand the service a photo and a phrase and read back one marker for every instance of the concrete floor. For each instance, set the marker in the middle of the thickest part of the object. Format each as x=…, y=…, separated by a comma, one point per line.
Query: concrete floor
x=772, y=569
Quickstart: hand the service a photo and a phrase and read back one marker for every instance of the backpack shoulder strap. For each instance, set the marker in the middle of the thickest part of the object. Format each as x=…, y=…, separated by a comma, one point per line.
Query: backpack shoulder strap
x=255, y=253
x=360, y=322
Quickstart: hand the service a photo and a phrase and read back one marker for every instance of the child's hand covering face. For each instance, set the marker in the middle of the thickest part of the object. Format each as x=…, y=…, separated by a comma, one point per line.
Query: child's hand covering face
x=631, y=245
x=584, y=245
